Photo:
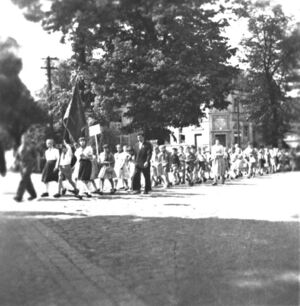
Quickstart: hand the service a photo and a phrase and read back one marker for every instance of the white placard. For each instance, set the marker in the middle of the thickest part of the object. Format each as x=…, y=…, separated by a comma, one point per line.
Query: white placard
x=95, y=130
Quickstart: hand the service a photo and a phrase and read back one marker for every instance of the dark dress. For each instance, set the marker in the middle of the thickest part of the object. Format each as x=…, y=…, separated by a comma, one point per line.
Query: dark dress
x=85, y=170
x=49, y=174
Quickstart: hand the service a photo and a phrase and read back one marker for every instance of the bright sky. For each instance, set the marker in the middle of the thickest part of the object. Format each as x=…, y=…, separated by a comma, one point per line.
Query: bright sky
x=37, y=44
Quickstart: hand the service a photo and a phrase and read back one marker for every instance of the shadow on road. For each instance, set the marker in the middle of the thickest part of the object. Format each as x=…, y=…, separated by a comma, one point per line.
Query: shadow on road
x=172, y=261
x=39, y=214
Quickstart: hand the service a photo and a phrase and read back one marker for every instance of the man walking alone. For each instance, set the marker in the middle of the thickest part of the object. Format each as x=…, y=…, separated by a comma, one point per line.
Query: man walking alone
x=142, y=165
x=26, y=159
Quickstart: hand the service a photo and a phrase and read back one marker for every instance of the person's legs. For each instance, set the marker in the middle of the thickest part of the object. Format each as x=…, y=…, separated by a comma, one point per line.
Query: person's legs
x=125, y=183
x=146, y=173
x=112, y=185
x=94, y=186
x=29, y=186
x=136, y=181
x=68, y=176
x=86, y=188
x=21, y=189
x=192, y=177
x=72, y=183
x=60, y=182
x=46, y=193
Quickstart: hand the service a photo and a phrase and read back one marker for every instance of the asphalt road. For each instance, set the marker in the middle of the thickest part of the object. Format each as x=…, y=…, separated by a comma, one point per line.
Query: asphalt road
x=236, y=244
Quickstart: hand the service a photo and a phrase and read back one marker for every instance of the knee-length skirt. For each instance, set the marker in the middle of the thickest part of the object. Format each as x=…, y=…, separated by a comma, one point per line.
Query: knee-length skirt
x=49, y=174
x=85, y=170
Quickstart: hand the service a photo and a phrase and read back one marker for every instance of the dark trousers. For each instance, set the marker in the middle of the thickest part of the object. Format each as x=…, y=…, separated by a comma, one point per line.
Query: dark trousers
x=136, y=183
x=25, y=184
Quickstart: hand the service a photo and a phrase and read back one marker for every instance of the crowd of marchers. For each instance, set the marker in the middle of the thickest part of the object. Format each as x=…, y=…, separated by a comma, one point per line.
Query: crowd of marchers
x=79, y=170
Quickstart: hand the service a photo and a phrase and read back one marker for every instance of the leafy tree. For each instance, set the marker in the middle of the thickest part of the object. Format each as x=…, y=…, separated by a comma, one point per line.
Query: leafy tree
x=56, y=102
x=18, y=110
x=160, y=59
x=272, y=53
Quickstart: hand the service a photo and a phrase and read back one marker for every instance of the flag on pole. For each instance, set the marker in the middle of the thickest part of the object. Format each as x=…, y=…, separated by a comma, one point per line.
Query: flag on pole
x=74, y=119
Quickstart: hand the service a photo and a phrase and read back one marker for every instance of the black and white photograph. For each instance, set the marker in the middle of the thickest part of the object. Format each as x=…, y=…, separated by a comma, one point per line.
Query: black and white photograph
x=149, y=153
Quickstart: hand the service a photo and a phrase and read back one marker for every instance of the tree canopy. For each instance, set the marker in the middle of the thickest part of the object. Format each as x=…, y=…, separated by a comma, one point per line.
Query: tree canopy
x=159, y=59
x=272, y=53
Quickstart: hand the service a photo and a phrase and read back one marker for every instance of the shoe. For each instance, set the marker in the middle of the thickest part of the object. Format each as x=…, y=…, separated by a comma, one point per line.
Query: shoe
x=214, y=184
x=146, y=192
x=87, y=195
x=45, y=194
x=63, y=192
x=74, y=191
x=17, y=199
x=79, y=197
x=136, y=192
x=113, y=191
x=96, y=191
x=57, y=195
x=31, y=198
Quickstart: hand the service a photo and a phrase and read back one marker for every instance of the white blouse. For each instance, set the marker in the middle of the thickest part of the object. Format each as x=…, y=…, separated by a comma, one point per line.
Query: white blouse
x=52, y=154
x=217, y=151
x=87, y=153
x=66, y=158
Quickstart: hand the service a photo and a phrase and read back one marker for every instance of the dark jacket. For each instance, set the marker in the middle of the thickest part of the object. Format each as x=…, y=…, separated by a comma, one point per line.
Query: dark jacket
x=2, y=161
x=26, y=157
x=144, y=154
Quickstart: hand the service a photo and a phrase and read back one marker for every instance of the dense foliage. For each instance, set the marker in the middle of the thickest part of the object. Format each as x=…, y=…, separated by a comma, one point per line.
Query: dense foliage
x=159, y=60
x=272, y=53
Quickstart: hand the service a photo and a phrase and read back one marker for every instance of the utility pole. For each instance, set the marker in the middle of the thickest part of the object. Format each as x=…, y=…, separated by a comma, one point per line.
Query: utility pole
x=49, y=69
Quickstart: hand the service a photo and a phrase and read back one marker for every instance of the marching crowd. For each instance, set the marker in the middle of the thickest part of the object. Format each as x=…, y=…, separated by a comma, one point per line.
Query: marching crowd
x=86, y=172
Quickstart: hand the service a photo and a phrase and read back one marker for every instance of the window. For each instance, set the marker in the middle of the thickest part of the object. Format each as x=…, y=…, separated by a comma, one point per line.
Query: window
x=246, y=130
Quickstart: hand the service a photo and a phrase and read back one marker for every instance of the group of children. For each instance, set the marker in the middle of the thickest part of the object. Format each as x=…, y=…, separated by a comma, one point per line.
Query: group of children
x=87, y=172
x=193, y=165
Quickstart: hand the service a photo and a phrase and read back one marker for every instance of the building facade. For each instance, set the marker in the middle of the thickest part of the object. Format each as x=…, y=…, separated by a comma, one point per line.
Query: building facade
x=230, y=126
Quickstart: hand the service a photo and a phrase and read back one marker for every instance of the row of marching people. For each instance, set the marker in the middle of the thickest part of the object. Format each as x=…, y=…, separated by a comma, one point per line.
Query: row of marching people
x=87, y=172
x=197, y=165
x=88, y=168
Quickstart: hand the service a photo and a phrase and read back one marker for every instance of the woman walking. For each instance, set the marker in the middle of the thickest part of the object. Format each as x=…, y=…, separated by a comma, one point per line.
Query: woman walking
x=218, y=162
x=50, y=171
x=84, y=155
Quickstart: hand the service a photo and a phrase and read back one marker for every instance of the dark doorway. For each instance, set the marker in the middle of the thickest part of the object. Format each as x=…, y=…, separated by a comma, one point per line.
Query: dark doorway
x=222, y=139
x=197, y=140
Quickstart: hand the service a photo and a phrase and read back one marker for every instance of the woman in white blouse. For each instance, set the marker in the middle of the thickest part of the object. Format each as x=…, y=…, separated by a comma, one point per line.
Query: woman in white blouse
x=50, y=171
x=218, y=162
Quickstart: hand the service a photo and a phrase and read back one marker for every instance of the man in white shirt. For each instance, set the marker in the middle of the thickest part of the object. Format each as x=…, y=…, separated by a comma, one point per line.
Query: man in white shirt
x=65, y=170
x=50, y=171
